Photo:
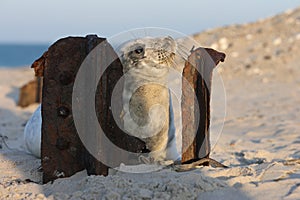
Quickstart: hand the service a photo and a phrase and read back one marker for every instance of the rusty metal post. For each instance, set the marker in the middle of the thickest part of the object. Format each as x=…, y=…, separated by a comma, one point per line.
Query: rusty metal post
x=197, y=75
x=63, y=153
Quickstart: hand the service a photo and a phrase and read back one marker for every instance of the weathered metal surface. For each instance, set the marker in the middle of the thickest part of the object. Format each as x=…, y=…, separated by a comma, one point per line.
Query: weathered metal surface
x=63, y=153
x=196, y=118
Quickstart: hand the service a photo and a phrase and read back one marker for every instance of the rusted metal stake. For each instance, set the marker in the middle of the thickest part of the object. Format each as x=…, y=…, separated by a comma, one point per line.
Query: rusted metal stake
x=197, y=77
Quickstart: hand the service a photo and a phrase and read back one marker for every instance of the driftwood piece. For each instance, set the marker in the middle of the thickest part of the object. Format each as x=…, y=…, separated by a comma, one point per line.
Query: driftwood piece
x=63, y=153
x=197, y=77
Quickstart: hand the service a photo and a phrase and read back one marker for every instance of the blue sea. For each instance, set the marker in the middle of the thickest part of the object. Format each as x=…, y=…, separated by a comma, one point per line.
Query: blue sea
x=17, y=55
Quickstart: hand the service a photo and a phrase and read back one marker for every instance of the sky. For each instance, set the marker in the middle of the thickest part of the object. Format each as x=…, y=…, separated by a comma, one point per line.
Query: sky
x=41, y=21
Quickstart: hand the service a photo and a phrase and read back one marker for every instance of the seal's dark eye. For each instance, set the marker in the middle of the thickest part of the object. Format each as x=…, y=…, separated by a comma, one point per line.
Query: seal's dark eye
x=139, y=50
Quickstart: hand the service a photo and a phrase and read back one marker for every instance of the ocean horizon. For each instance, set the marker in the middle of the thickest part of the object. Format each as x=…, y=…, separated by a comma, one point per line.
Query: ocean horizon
x=20, y=55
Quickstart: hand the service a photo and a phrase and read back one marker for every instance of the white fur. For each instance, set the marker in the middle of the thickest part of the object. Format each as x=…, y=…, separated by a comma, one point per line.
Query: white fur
x=33, y=132
x=149, y=72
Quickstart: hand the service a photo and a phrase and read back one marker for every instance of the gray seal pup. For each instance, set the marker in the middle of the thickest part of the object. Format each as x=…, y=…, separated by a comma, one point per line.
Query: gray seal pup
x=146, y=97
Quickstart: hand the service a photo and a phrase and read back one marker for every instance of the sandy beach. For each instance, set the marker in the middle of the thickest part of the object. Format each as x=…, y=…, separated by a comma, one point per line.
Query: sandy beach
x=259, y=142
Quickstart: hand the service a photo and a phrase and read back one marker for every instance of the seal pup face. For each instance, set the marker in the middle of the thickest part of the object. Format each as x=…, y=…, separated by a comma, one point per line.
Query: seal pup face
x=157, y=53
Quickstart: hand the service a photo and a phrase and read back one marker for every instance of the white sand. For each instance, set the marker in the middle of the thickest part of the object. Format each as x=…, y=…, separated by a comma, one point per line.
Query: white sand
x=260, y=141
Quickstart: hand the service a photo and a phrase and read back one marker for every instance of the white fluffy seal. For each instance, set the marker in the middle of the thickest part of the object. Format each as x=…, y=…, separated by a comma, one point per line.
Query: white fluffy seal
x=147, y=109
